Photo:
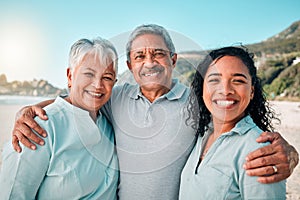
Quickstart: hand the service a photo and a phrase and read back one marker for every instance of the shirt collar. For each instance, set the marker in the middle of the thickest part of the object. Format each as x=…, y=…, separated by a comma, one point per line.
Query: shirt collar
x=176, y=92
x=243, y=126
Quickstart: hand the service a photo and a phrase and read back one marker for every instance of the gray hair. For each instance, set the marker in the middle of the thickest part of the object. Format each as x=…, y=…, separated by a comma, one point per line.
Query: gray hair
x=150, y=29
x=102, y=48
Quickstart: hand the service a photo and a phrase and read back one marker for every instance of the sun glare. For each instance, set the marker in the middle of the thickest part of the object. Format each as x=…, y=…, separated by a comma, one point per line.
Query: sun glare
x=21, y=49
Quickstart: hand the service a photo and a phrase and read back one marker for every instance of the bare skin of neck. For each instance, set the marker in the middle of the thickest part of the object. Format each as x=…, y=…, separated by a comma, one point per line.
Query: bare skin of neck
x=153, y=94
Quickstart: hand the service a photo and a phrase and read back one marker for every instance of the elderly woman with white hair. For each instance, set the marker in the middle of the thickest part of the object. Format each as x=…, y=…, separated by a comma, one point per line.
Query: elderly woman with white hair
x=79, y=159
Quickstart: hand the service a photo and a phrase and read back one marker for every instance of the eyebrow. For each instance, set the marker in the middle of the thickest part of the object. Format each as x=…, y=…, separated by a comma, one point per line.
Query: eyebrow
x=159, y=49
x=137, y=52
x=152, y=49
x=214, y=74
x=239, y=74
x=219, y=74
x=88, y=68
x=113, y=74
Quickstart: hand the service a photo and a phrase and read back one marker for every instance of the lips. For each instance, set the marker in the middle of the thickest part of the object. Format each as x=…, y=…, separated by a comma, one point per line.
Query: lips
x=224, y=103
x=95, y=94
x=152, y=72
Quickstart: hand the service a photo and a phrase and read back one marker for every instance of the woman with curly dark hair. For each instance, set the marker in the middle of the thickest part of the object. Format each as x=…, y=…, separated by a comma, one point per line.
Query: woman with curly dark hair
x=228, y=109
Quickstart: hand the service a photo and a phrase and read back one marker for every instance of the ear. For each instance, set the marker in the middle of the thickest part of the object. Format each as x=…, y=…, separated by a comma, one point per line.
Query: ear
x=252, y=92
x=174, y=59
x=69, y=75
x=129, y=65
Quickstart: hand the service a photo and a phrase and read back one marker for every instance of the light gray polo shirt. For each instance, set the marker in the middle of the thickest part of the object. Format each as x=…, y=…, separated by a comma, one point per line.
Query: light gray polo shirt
x=153, y=141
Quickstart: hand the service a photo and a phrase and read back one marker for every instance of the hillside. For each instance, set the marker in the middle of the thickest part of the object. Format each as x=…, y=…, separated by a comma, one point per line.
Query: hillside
x=277, y=59
x=29, y=88
x=285, y=42
x=278, y=62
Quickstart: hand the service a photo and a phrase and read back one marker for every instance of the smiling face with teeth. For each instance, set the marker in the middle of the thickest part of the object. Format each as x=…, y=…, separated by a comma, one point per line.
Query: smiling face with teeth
x=227, y=90
x=151, y=63
x=91, y=83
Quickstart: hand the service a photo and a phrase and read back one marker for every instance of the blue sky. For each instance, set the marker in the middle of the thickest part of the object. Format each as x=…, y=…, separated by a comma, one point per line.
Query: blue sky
x=35, y=36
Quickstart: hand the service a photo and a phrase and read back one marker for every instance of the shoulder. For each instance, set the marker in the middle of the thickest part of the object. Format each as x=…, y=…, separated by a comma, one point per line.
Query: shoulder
x=124, y=87
x=179, y=91
x=123, y=91
x=53, y=110
x=248, y=140
x=57, y=115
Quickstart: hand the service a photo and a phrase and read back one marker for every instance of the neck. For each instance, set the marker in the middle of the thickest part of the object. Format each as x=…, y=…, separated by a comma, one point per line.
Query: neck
x=153, y=94
x=93, y=115
x=222, y=127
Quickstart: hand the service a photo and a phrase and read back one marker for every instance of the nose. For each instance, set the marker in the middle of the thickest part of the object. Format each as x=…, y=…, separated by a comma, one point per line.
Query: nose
x=226, y=88
x=97, y=83
x=149, y=60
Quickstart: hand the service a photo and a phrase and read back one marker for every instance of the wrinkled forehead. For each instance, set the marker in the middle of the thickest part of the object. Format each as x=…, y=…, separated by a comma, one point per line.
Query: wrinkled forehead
x=148, y=42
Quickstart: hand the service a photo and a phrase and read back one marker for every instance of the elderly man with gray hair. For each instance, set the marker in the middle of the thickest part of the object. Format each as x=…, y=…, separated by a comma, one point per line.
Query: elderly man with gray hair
x=152, y=139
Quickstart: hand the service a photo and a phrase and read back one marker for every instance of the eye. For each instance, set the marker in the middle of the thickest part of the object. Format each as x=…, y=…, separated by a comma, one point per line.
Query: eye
x=108, y=78
x=213, y=80
x=139, y=57
x=238, y=81
x=89, y=74
x=159, y=54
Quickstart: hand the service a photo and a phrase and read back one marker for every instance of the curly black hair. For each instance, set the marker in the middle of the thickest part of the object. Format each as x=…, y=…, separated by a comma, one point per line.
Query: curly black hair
x=258, y=108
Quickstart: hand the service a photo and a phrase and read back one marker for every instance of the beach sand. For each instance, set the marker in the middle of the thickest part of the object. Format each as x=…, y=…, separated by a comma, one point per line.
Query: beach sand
x=289, y=128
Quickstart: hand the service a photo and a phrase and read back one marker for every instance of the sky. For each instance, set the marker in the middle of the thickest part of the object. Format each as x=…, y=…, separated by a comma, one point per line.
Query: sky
x=36, y=36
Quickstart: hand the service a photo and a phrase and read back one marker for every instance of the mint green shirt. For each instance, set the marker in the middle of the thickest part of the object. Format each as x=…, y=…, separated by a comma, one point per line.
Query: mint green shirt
x=78, y=160
x=220, y=174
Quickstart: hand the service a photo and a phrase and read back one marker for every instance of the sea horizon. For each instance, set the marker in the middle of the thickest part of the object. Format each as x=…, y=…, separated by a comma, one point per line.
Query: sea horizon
x=21, y=100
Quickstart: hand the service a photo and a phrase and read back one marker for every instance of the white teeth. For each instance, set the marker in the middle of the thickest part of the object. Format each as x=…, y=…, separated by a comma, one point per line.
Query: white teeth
x=224, y=103
x=152, y=74
x=95, y=94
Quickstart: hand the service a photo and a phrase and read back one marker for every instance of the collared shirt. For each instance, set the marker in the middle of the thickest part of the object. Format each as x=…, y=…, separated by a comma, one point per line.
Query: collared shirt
x=153, y=141
x=220, y=174
x=78, y=160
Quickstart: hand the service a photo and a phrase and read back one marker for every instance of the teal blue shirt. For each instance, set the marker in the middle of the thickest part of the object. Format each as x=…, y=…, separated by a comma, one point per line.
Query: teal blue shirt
x=220, y=174
x=78, y=160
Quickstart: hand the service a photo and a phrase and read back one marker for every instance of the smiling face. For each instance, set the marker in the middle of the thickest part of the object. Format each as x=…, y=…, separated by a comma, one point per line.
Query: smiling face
x=91, y=83
x=227, y=90
x=151, y=62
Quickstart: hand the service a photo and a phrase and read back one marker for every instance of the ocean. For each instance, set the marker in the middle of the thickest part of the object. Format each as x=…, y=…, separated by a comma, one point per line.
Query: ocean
x=20, y=100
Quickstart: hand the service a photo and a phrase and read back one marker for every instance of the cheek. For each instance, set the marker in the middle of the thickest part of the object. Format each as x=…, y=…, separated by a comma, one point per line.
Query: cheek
x=207, y=91
x=207, y=96
x=246, y=95
x=108, y=87
x=134, y=66
x=135, y=71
